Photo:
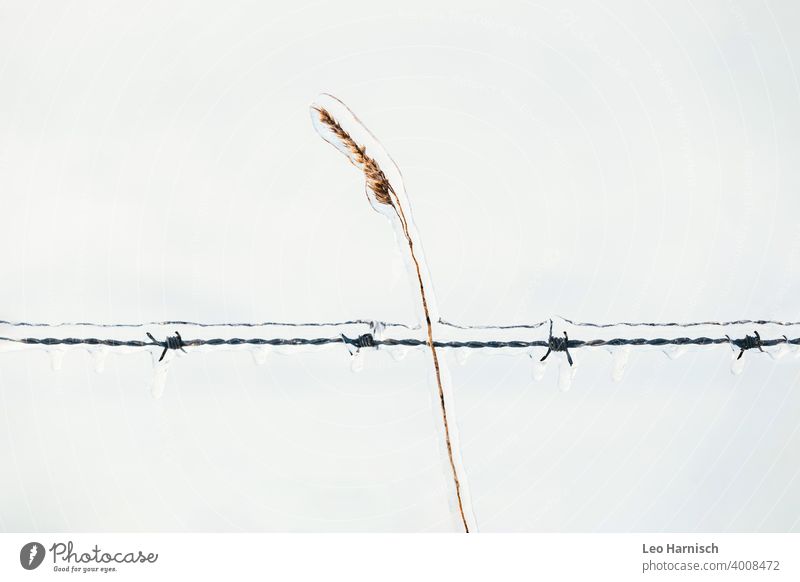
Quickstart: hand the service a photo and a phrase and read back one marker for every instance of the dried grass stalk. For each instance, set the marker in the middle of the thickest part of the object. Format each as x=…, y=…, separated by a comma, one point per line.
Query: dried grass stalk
x=385, y=194
x=376, y=179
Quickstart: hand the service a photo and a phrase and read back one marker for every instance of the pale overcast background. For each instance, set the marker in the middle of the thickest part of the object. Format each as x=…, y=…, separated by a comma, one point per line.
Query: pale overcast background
x=597, y=160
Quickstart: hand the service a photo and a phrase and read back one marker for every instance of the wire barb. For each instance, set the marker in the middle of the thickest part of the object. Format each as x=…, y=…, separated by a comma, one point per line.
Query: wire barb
x=748, y=343
x=174, y=342
x=557, y=344
x=366, y=340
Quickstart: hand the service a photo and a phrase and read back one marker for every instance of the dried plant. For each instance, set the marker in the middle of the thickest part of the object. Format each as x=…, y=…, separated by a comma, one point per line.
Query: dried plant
x=376, y=179
x=385, y=194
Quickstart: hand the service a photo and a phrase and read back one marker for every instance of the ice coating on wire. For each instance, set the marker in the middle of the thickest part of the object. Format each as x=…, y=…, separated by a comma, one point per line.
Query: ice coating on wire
x=771, y=339
x=778, y=340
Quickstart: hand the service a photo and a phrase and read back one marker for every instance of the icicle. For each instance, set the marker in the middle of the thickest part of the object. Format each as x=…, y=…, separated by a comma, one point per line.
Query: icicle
x=539, y=367
x=737, y=364
x=376, y=328
x=462, y=355
x=357, y=362
x=398, y=353
x=565, y=374
x=780, y=351
x=675, y=352
x=260, y=355
x=99, y=356
x=621, y=357
x=159, y=379
x=355, y=350
x=161, y=368
x=56, y=358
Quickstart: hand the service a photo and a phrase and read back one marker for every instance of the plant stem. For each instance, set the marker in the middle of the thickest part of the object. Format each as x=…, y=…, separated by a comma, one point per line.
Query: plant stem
x=442, y=404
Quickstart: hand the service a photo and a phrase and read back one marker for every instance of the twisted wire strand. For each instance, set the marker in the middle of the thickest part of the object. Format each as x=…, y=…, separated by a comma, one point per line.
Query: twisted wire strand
x=406, y=342
x=201, y=324
x=688, y=324
x=511, y=326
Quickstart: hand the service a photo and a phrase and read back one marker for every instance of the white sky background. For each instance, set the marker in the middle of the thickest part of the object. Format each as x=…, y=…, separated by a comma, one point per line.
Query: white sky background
x=617, y=161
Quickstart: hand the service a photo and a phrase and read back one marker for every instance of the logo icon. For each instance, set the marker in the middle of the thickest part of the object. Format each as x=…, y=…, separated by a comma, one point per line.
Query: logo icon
x=31, y=555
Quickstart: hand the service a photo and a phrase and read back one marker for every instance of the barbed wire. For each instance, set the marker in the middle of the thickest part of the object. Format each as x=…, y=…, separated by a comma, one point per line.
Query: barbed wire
x=205, y=324
x=369, y=340
x=690, y=324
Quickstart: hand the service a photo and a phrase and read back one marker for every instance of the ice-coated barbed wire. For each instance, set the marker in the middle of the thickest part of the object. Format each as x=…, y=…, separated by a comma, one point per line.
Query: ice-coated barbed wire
x=368, y=340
